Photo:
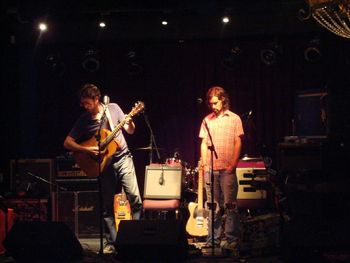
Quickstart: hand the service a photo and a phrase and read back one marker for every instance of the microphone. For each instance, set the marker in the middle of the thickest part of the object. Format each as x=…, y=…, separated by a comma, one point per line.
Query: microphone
x=105, y=100
x=250, y=113
x=199, y=100
x=247, y=115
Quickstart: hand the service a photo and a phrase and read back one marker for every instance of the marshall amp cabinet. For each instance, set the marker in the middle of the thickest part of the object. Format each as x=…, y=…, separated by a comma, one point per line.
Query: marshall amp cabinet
x=66, y=167
x=78, y=210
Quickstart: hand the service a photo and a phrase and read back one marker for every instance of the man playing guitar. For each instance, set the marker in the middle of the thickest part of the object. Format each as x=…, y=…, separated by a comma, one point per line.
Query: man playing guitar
x=118, y=168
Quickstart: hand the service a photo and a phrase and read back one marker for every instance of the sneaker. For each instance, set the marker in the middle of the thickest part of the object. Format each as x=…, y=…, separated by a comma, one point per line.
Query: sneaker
x=229, y=245
x=230, y=249
x=210, y=245
x=109, y=249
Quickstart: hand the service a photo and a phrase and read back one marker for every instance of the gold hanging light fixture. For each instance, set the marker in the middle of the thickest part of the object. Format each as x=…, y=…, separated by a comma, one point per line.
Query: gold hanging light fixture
x=334, y=15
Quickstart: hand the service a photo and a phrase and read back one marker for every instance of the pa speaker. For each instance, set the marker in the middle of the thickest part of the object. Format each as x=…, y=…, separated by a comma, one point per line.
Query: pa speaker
x=152, y=239
x=42, y=242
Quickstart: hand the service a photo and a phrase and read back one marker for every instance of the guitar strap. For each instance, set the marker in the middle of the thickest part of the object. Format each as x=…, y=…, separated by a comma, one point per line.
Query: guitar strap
x=109, y=118
x=110, y=121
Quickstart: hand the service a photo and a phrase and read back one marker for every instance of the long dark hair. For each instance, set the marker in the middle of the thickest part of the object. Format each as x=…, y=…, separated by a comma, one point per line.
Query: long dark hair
x=221, y=94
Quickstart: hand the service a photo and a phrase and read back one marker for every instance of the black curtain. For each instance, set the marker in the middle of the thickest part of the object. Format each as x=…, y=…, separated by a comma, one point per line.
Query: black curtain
x=170, y=78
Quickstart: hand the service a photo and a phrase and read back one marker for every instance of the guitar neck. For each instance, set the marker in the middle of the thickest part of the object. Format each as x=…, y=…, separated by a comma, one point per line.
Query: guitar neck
x=139, y=106
x=110, y=137
x=200, y=187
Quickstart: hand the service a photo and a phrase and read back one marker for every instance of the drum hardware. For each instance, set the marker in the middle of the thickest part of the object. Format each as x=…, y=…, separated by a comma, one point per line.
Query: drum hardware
x=148, y=148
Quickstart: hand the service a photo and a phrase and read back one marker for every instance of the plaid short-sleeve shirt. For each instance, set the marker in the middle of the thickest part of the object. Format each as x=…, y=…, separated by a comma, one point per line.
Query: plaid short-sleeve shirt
x=223, y=130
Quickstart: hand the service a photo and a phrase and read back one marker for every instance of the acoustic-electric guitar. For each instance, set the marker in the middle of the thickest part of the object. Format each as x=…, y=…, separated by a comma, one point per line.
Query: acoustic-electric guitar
x=89, y=163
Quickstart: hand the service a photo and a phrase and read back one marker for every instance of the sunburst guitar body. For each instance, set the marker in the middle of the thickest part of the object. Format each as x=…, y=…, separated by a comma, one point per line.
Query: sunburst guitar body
x=122, y=209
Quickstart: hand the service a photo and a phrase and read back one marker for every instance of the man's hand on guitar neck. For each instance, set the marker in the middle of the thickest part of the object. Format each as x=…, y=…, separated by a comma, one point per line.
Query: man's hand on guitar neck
x=129, y=125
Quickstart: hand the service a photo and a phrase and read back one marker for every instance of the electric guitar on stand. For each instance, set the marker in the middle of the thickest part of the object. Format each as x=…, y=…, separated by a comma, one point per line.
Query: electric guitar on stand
x=122, y=209
x=88, y=163
x=197, y=224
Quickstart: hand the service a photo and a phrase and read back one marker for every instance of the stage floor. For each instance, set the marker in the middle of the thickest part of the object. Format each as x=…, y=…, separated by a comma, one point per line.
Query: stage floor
x=196, y=255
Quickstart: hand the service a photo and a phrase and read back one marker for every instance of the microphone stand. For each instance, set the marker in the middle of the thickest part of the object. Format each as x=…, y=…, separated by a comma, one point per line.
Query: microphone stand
x=46, y=181
x=152, y=140
x=56, y=185
x=212, y=204
x=98, y=138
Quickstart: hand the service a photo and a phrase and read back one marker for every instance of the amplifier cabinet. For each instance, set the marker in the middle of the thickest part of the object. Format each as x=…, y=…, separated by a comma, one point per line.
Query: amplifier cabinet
x=29, y=209
x=66, y=167
x=76, y=184
x=164, y=182
x=295, y=157
x=79, y=210
x=31, y=177
x=252, y=183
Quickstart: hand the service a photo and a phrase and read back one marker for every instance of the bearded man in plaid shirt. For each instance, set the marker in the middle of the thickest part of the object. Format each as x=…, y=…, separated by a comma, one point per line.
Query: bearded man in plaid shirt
x=226, y=130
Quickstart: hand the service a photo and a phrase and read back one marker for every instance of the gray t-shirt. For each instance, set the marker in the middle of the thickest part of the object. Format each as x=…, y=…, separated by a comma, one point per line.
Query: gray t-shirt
x=85, y=127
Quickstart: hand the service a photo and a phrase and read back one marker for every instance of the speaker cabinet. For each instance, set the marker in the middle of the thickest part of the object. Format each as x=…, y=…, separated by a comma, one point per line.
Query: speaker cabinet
x=294, y=157
x=78, y=210
x=320, y=221
x=28, y=177
x=163, y=182
x=251, y=183
x=42, y=242
x=311, y=114
x=152, y=239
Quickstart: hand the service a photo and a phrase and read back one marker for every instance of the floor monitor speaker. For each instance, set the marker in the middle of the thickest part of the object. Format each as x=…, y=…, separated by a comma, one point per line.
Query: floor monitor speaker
x=152, y=239
x=38, y=241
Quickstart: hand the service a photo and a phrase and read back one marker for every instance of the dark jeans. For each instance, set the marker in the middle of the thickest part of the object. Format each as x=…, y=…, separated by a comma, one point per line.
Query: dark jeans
x=225, y=194
x=120, y=173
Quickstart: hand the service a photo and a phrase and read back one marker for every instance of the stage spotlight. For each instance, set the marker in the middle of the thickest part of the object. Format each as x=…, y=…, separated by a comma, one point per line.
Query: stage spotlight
x=269, y=55
x=91, y=61
x=164, y=22
x=225, y=19
x=232, y=58
x=134, y=66
x=42, y=27
x=102, y=24
x=54, y=63
x=312, y=52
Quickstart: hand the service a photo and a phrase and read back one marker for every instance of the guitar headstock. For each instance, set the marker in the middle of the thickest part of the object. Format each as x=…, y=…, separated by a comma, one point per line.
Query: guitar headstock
x=139, y=106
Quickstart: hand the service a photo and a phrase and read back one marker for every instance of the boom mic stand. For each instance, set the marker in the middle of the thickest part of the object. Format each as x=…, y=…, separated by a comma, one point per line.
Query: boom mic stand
x=212, y=204
x=55, y=184
x=152, y=140
x=98, y=138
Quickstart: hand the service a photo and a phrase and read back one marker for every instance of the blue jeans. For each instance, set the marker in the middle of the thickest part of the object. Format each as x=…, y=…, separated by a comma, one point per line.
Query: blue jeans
x=120, y=173
x=225, y=195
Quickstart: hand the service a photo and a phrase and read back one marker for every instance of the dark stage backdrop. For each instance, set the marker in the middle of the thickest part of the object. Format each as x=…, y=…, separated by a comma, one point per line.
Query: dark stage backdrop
x=41, y=104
